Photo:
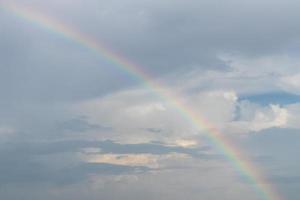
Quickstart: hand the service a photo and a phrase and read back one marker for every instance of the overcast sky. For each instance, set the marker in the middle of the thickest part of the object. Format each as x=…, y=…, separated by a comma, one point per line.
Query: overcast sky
x=75, y=126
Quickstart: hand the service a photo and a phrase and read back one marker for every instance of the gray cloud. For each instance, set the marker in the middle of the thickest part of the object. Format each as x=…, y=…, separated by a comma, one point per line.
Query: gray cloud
x=56, y=163
x=176, y=34
x=21, y=171
x=45, y=148
x=164, y=37
x=80, y=125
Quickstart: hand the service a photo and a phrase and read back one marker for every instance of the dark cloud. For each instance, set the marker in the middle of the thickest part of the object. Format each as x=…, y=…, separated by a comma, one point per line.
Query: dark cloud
x=80, y=125
x=45, y=148
x=164, y=37
x=24, y=171
x=40, y=161
x=173, y=35
x=154, y=130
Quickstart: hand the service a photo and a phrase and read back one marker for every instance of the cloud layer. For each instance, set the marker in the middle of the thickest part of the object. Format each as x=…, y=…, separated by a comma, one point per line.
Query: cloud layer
x=75, y=126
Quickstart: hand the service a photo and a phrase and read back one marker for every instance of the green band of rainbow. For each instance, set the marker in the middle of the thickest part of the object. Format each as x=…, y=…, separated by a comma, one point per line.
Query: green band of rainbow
x=264, y=190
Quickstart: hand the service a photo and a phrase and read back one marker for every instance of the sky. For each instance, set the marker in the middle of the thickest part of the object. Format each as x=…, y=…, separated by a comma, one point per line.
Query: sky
x=74, y=125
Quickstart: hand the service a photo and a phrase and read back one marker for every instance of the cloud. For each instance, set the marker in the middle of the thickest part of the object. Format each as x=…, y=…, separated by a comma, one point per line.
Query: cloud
x=147, y=160
x=294, y=114
x=79, y=123
x=29, y=172
x=291, y=83
x=104, y=147
x=164, y=35
x=254, y=118
x=247, y=76
x=6, y=131
x=223, y=108
x=257, y=118
x=186, y=143
x=132, y=112
x=276, y=118
x=70, y=162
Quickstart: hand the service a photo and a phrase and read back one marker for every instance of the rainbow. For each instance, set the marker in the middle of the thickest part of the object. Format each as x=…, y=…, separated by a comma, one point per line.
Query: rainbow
x=264, y=190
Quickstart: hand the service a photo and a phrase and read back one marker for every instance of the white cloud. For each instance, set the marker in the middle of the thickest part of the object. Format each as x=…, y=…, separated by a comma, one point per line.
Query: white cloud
x=291, y=83
x=186, y=142
x=248, y=75
x=254, y=118
x=132, y=113
x=147, y=160
x=275, y=116
x=294, y=116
